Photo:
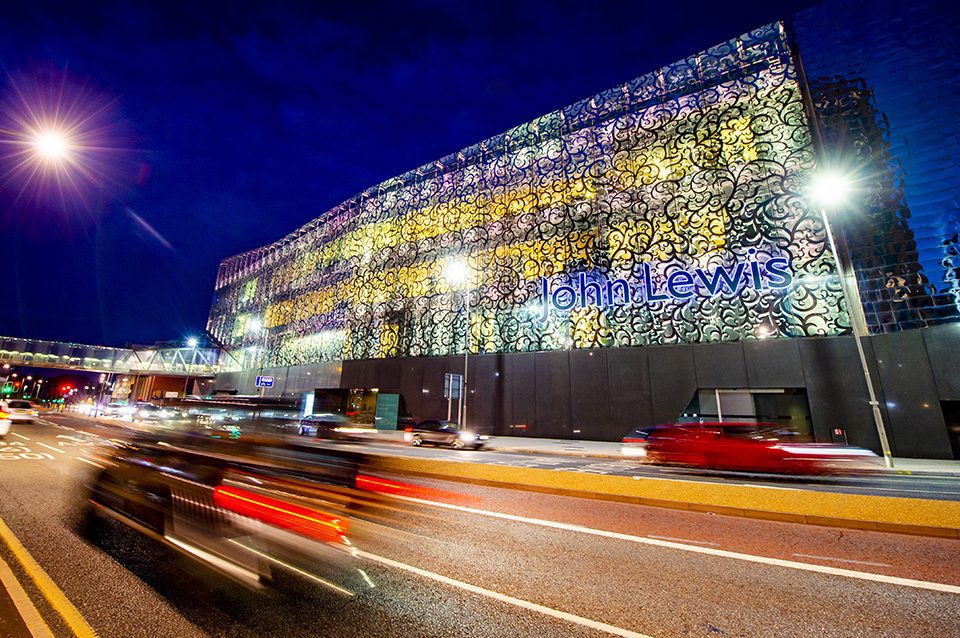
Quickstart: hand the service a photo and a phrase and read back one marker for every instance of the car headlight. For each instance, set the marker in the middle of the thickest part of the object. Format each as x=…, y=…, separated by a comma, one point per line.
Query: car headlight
x=467, y=436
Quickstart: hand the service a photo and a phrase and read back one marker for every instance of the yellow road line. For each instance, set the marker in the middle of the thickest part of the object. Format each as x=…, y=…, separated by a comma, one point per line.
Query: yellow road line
x=884, y=513
x=29, y=614
x=78, y=625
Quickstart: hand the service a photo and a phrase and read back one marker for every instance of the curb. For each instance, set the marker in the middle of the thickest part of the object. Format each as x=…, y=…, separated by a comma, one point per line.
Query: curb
x=853, y=511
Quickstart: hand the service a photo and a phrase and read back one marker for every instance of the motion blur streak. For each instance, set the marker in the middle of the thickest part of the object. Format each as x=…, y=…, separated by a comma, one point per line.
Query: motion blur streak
x=397, y=488
x=313, y=577
x=301, y=520
x=779, y=562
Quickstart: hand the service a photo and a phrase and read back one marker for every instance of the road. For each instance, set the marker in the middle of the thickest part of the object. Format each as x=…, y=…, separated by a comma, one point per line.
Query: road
x=492, y=563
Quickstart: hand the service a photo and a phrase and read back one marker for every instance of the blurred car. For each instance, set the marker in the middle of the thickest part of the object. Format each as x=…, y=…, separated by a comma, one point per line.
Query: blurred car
x=447, y=433
x=246, y=508
x=145, y=411
x=117, y=409
x=334, y=426
x=635, y=443
x=4, y=424
x=756, y=447
x=20, y=410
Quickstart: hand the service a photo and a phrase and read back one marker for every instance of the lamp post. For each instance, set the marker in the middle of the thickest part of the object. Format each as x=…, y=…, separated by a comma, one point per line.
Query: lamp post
x=458, y=273
x=256, y=327
x=192, y=343
x=832, y=189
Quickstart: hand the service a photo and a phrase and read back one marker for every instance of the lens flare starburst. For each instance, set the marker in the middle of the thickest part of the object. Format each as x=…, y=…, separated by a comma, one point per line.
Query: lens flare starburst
x=58, y=141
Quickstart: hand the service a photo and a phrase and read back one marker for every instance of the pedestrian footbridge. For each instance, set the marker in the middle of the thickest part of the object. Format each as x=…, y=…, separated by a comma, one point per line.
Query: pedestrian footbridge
x=171, y=361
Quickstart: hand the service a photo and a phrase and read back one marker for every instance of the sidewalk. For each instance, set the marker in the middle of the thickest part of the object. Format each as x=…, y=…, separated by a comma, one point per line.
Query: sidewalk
x=611, y=449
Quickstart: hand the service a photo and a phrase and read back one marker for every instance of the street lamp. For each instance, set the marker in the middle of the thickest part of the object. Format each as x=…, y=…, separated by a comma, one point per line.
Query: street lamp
x=255, y=326
x=833, y=189
x=50, y=145
x=192, y=343
x=457, y=274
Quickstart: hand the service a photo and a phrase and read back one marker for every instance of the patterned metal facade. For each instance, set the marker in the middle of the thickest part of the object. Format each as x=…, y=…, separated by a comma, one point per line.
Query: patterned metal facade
x=700, y=164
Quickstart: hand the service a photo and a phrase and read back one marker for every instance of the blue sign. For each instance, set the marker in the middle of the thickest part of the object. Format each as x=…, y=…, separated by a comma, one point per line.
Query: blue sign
x=264, y=382
x=681, y=285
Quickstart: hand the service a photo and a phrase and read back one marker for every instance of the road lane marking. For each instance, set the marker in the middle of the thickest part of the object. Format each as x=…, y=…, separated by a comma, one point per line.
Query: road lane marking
x=28, y=613
x=25, y=438
x=50, y=447
x=843, y=560
x=711, y=551
x=684, y=540
x=524, y=604
x=77, y=623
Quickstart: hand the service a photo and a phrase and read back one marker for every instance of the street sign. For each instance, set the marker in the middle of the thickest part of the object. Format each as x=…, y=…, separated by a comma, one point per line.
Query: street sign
x=264, y=382
x=452, y=385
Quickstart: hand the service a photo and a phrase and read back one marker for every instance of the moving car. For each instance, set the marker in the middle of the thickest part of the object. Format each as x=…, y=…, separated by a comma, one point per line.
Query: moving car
x=4, y=423
x=20, y=410
x=444, y=433
x=243, y=507
x=117, y=409
x=635, y=443
x=757, y=447
x=336, y=427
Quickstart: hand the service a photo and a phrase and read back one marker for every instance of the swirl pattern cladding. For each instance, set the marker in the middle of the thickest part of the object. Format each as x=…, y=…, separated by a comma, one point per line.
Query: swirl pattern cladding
x=697, y=165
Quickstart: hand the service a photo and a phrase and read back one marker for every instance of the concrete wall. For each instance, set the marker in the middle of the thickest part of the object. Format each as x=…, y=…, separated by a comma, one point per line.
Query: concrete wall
x=603, y=393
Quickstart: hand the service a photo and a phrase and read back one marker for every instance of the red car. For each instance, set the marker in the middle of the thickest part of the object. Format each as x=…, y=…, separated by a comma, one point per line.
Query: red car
x=757, y=447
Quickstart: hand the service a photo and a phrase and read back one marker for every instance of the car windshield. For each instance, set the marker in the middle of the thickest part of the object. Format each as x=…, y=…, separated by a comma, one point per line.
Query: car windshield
x=21, y=404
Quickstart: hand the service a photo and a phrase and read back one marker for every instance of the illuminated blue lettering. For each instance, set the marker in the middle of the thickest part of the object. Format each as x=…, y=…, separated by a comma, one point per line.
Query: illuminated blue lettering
x=651, y=294
x=677, y=280
x=778, y=273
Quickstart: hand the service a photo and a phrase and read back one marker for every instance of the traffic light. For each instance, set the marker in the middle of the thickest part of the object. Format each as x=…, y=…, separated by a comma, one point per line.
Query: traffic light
x=7, y=389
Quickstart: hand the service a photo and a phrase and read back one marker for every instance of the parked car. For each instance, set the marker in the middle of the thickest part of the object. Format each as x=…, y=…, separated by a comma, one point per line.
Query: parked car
x=444, y=433
x=20, y=410
x=757, y=447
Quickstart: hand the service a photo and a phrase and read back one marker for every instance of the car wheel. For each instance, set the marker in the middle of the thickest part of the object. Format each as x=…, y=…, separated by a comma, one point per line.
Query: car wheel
x=300, y=431
x=457, y=444
x=416, y=441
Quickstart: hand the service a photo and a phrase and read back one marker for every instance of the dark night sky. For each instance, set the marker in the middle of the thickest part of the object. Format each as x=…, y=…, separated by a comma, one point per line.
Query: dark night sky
x=228, y=127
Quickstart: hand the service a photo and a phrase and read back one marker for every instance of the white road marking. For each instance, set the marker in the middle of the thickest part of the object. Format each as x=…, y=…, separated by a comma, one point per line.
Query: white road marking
x=684, y=540
x=525, y=604
x=21, y=436
x=750, y=558
x=50, y=447
x=842, y=560
x=88, y=462
x=28, y=613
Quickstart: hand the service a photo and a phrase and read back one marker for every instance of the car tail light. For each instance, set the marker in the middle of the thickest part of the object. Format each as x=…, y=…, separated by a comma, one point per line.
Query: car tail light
x=296, y=518
x=408, y=429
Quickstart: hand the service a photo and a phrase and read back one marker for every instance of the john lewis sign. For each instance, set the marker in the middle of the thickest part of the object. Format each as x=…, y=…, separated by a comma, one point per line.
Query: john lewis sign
x=681, y=285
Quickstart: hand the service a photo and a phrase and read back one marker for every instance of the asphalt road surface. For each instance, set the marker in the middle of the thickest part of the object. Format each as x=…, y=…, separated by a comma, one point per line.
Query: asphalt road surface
x=490, y=562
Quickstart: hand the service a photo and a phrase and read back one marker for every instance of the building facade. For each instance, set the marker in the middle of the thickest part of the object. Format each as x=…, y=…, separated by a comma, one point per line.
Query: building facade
x=645, y=253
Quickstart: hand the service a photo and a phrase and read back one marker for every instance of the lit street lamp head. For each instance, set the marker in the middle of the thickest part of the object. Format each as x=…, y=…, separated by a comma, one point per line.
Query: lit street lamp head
x=830, y=188
x=192, y=342
x=51, y=146
x=457, y=272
